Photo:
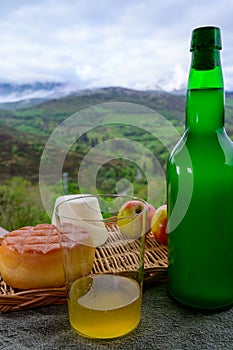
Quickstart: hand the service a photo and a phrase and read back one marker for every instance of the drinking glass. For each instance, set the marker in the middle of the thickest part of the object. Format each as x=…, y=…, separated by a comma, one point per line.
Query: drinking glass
x=103, y=258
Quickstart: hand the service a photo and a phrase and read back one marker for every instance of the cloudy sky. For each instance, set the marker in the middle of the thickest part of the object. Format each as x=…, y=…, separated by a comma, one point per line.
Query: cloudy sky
x=90, y=43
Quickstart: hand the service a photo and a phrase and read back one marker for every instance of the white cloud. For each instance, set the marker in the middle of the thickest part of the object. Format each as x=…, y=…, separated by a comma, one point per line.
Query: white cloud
x=140, y=43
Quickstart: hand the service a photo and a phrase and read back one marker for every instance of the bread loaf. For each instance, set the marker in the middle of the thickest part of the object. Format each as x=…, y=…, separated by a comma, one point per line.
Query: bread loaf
x=32, y=258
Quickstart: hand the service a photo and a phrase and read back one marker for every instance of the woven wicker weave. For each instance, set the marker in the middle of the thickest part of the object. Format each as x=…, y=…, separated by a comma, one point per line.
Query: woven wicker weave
x=112, y=259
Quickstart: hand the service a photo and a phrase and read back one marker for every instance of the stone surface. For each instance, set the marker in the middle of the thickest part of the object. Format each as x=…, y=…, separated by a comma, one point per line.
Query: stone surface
x=165, y=325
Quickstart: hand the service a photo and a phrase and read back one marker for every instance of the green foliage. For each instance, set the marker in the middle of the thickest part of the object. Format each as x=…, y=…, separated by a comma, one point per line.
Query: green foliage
x=19, y=205
x=112, y=172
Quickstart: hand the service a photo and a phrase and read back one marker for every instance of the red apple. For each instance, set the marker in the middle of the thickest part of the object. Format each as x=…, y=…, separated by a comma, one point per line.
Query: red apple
x=159, y=224
x=129, y=224
x=151, y=211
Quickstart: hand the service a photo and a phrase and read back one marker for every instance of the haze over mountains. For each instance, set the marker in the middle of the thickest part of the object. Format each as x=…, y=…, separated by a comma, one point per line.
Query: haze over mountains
x=17, y=96
x=12, y=92
x=33, y=93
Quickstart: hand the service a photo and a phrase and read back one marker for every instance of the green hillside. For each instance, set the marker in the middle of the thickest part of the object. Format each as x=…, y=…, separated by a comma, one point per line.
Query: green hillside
x=31, y=127
x=47, y=115
x=108, y=140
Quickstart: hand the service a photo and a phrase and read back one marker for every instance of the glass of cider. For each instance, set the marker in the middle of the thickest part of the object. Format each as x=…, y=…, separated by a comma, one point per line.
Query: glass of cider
x=103, y=239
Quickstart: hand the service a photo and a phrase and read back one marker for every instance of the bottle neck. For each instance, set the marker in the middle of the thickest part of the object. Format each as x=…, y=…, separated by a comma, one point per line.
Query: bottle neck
x=205, y=94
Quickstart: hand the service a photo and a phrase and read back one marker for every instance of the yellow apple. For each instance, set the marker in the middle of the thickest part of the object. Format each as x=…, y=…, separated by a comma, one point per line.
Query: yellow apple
x=130, y=224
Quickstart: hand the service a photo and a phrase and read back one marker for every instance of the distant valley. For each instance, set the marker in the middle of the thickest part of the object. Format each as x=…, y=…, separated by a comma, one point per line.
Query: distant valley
x=26, y=125
x=25, y=130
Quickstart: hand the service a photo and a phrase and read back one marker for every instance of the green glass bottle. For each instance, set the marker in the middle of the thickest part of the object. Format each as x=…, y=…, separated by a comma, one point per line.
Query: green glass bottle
x=200, y=187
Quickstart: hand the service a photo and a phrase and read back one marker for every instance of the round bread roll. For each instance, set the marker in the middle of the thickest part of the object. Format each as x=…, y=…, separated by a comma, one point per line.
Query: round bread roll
x=31, y=258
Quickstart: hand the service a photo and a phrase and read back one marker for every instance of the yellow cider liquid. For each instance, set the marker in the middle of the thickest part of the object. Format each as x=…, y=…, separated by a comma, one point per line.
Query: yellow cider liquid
x=104, y=306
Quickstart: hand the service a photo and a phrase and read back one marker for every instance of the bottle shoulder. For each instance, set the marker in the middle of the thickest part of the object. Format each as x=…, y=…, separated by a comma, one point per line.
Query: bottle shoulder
x=215, y=147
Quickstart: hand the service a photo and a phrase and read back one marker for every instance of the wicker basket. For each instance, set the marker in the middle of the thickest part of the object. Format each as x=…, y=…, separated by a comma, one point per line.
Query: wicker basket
x=107, y=259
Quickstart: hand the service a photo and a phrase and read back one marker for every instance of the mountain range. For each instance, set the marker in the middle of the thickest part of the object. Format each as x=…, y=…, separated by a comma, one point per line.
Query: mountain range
x=15, y=96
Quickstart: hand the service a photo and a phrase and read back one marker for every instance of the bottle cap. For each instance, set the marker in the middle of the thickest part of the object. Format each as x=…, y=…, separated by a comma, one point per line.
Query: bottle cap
x=206, y=37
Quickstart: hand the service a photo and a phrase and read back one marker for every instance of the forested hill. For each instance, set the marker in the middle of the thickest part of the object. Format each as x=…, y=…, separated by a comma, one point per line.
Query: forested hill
x=24, y=131
x=171, y=105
